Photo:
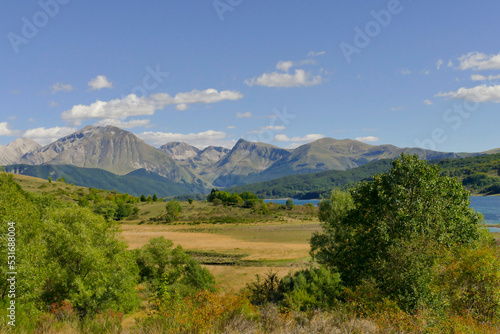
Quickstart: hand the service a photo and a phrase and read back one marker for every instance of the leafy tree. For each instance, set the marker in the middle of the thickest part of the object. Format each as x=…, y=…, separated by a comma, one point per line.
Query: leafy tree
x=394, y=228
x=123, y=211
x=49, y=179
x=289, y=204
x=174, y=209
x=143, y=198
x=171, y=271
x=61, y=179
x=190, y=201
x=107, y=209
x=155, y=198
x=89, y=266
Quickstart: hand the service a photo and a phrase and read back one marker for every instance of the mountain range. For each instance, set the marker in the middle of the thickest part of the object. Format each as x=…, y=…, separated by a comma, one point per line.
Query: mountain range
x=187, y=168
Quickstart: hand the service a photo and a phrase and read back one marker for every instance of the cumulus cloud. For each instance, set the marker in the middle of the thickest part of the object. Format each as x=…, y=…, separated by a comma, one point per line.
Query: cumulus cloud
x=284, y=65
x=6, y=131
x=60, y=87
x=46, y=136
x=307, y=138
x=244, y=114
x=479, y=77
x=181, y=107
x=276, y=79
x=133, y=123
x=196, y=96
x=132, y=105
x=479, y=61
x=439, y=63
x=231, y=127
x=273, y=127
x=114, y=109
x=100, y=82
x=367, y=139
x=316, y=54
x=428, y=102
x=200, y=140
x=405, y=71
x=481, y=93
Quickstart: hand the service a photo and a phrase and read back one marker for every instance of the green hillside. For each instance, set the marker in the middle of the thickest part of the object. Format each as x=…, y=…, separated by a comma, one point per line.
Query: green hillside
x=480, y=175
x=135, y=183
x=315, y=185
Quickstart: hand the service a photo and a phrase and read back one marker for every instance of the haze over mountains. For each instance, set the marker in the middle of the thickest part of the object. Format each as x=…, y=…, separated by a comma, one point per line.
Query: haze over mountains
x=122, y=153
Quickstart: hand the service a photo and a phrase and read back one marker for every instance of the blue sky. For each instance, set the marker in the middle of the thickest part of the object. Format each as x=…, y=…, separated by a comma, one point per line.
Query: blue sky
x=406, y=73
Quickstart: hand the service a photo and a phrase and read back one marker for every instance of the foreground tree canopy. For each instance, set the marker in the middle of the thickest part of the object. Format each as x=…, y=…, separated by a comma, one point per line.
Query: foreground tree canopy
x=392, y=231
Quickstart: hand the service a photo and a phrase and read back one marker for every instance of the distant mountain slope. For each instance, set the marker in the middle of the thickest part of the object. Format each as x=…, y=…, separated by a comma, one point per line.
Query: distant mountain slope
x=479, y=174
x=332, y=154
x=245, y=158
x=14, y=151
x=135, y=183
x=109, y=148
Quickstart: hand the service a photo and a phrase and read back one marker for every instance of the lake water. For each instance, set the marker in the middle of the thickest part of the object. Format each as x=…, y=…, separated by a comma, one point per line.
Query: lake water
x=489, y=206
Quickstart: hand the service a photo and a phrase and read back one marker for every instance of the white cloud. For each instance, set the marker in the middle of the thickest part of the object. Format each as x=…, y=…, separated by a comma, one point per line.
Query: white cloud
x=450, y=63
x=405, y=71
x=284, y=65
x=195, y=96
x=200, y=140
x=46, y=136
x=53, y=104
x=428, y=102
x=275, y=79
x=398, y=108
x=6, y=131
x=481, y=93
x=132, y=105
x=439, y=63
x=479, y=61
x=244, y=115
x=307, y=138
x=316, y=54
x=114, y=109
x=231, y=127
x=273, y=127
x=59, y=87
x=367, y=139
x=426, y=72
x=479, y=77
x=133, y=123
x=181, y=107
x=100, y=82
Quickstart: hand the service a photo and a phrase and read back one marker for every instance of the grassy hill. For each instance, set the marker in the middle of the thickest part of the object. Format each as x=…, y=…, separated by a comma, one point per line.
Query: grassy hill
x=135, y=183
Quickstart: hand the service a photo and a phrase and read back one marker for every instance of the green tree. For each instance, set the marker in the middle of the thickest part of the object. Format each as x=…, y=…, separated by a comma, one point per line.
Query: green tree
x=394, y=228
x=289, y=204
x=143, y=198
x=88, y=265
x=155, y=198
x=190, y=201
x=174, y=209
x=49, y=179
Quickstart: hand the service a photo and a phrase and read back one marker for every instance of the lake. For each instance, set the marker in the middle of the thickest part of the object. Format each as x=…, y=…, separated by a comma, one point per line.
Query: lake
x=489, y=206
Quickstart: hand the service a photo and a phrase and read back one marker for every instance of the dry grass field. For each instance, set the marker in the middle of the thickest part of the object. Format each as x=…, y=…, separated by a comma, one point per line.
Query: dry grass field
x=279, y=247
